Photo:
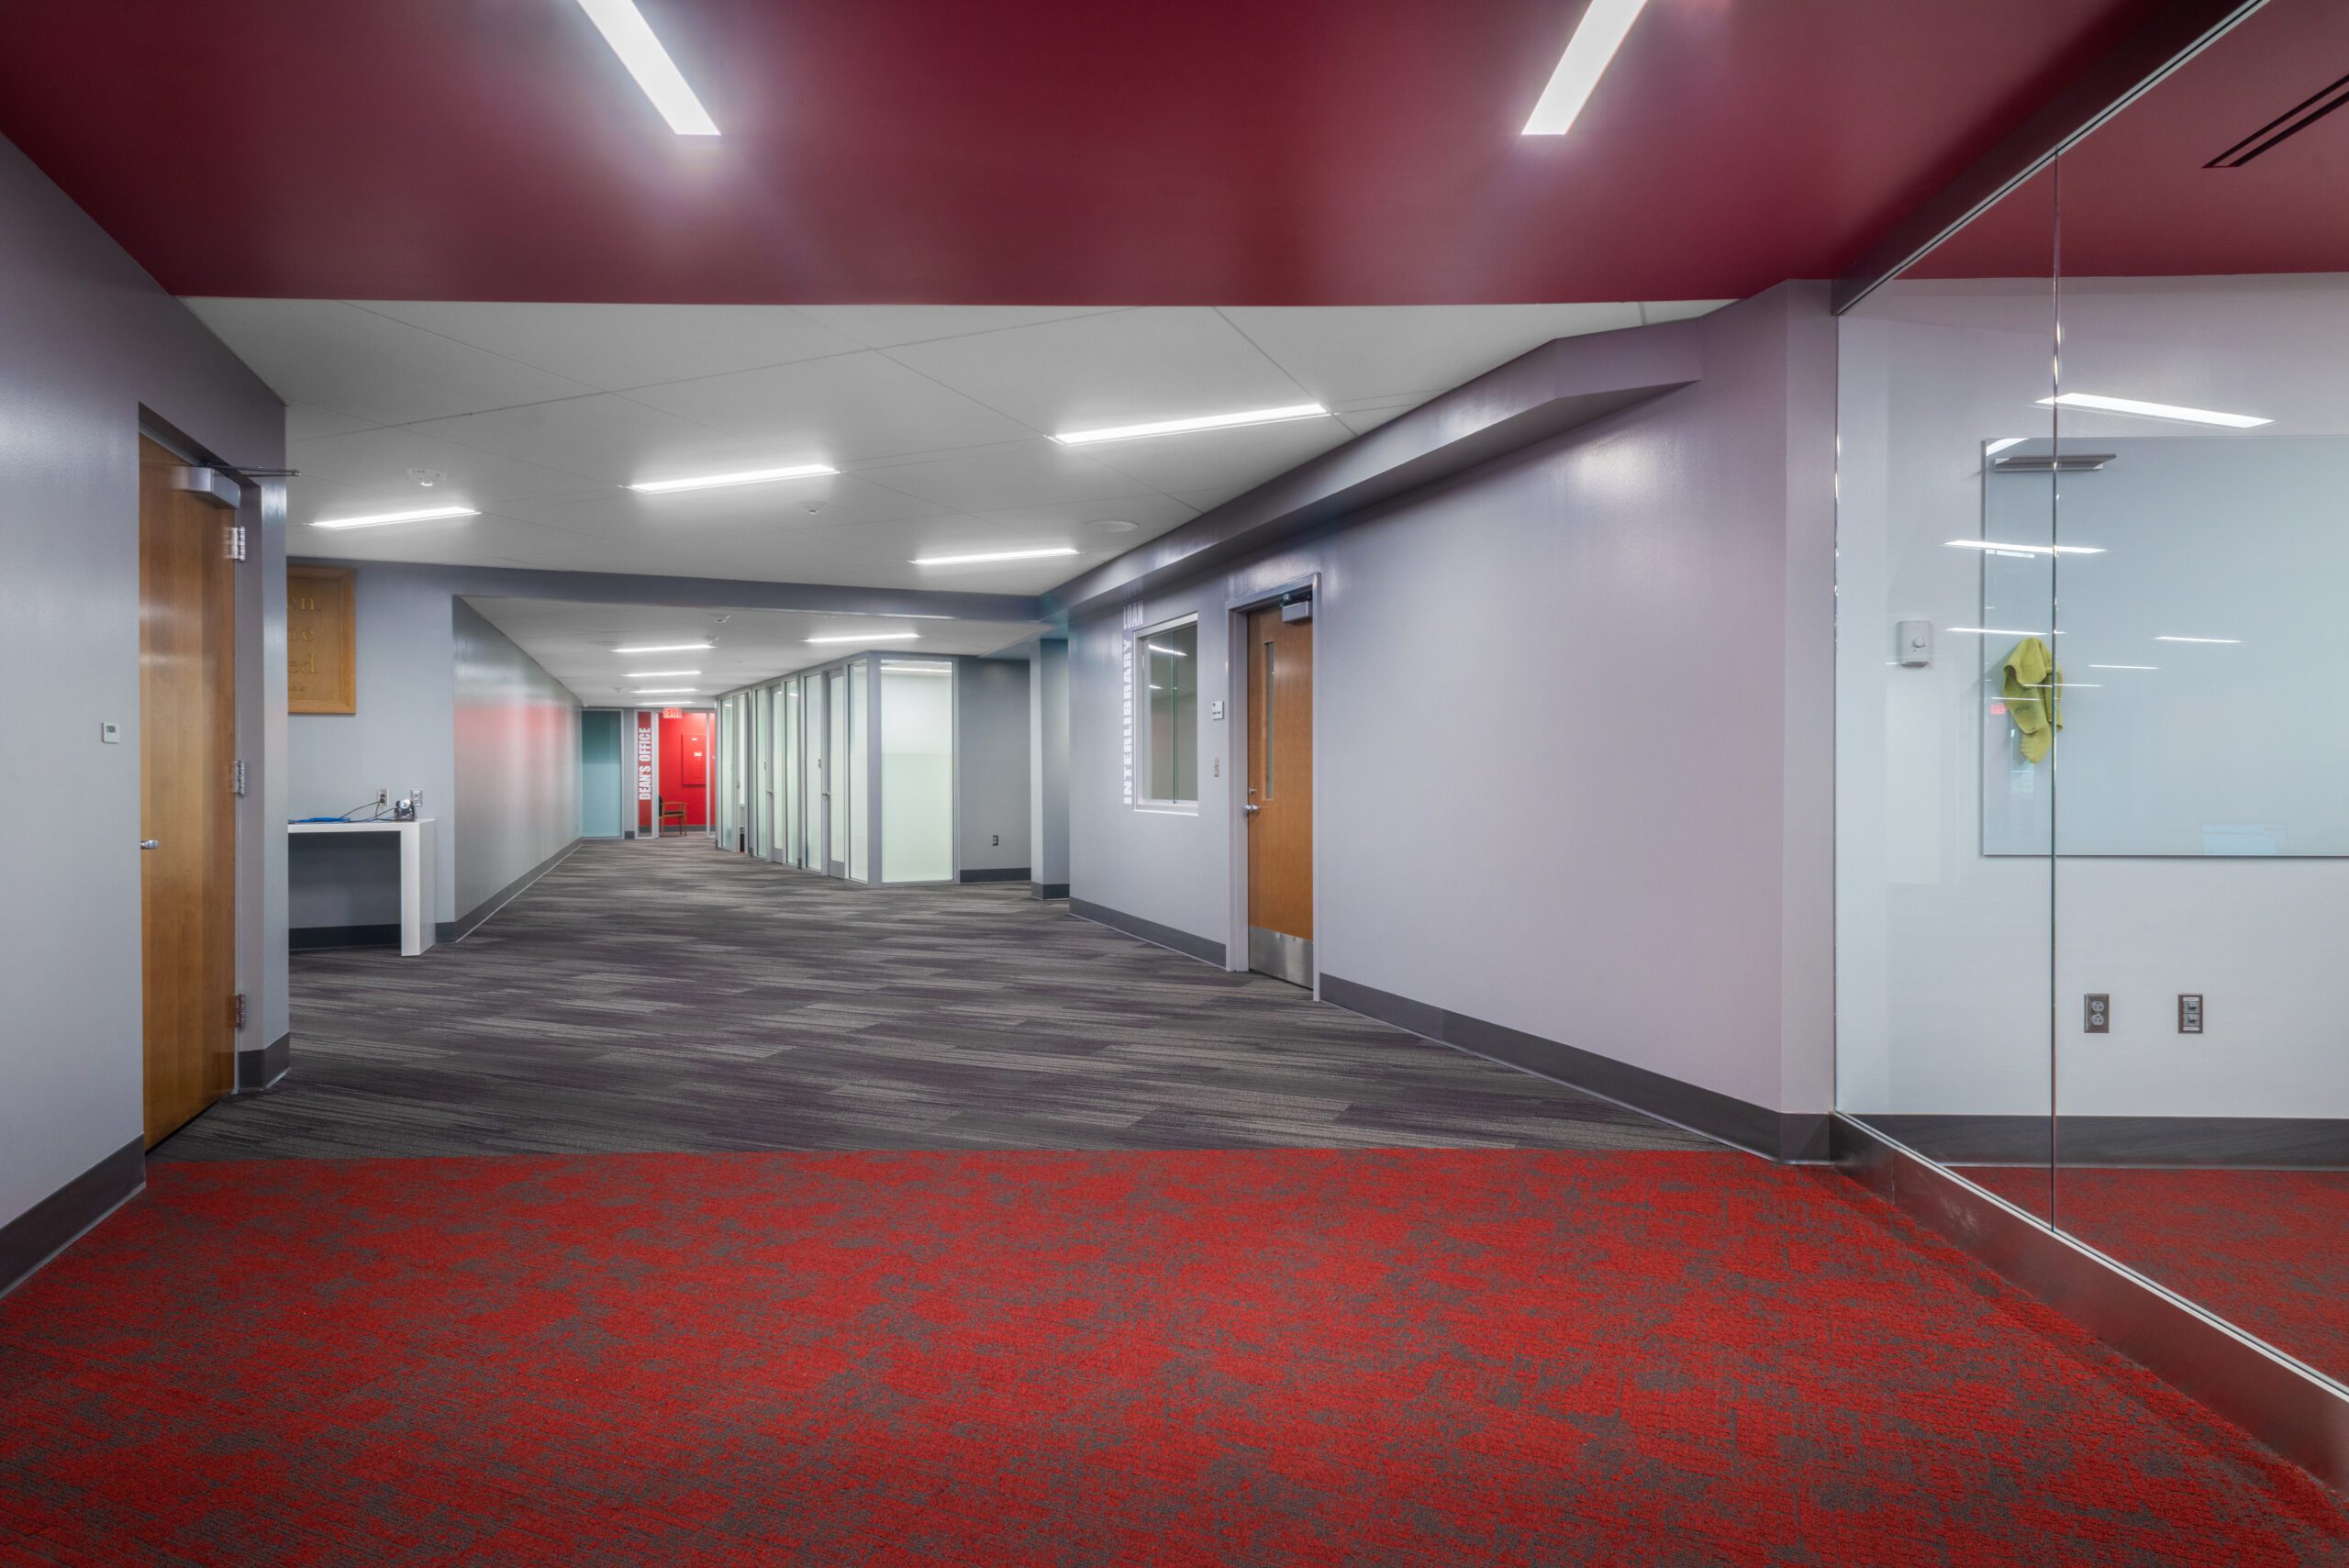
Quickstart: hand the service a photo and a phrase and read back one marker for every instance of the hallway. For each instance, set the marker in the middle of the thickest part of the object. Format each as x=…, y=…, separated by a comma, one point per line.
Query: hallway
x=659, y=996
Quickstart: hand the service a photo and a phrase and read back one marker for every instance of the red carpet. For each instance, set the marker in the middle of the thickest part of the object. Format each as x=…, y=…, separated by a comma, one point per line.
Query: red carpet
x=2262, y=1249
x=1255, y=1358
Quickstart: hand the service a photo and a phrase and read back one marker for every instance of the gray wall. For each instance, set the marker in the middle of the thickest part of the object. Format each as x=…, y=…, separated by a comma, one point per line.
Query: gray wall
x=1573, y=752
x=516, y=798
x=439, y=690
x=1048, y=762
x=991, y=767
x=86, y=342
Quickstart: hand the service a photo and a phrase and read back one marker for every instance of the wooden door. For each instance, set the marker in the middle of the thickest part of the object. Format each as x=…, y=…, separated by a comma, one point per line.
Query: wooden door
x=1280, y=795
x=187, y=738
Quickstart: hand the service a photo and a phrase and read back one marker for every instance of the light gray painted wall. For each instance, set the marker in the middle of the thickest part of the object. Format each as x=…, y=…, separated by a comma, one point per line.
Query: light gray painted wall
x=86, y=340
x=1048, y=761
x=1572, y=758
x=417, y=647
x=516, y=798
x=991, y=765
x=401, y=737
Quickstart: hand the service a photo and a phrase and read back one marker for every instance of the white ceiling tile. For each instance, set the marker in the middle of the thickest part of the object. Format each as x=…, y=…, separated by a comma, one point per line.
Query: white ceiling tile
x=884, y=326
x=1360, y=353
x=1071, y=522
x=744, y=511
x=1658, y=311
x=1117, y=368
x=616, y=346
x=1025, y=473
x=304, y=420
x=1359, y=420
x=839, y=410
x=367, y=471
x=1222, y=462
x=615, y=441
x=333, y=355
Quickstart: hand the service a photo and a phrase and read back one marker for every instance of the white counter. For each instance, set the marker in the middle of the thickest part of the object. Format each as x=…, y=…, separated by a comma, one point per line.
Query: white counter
x=418, y=867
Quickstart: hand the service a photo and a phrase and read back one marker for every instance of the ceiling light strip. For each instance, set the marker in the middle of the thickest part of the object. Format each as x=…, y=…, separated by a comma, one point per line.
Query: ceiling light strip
x=747, y=476
x=1186, y=427
x=631, y=36
x=377, y=519
x=993, y=555
x=2142, y=410
x=870, y=637
x=1596, y=38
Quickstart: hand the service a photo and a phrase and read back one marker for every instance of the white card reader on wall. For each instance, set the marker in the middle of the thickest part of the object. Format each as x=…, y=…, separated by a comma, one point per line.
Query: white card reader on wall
x=1916, y=642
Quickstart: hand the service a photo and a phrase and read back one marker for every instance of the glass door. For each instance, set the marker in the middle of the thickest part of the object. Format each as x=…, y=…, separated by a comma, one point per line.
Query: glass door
x=761, y=812
x=836, y=773
x=812, y=806
x=786, y=770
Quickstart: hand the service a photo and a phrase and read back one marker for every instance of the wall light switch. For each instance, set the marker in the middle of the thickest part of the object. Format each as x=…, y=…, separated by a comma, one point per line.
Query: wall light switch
x=1916, y=642
x=109, y=734
x=1215, y=711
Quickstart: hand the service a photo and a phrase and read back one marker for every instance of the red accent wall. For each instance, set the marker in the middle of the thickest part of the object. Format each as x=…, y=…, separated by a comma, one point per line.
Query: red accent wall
x=685, y=765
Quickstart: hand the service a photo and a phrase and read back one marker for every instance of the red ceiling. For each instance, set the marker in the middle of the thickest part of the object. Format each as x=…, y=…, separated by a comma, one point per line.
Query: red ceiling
x=1010, y=151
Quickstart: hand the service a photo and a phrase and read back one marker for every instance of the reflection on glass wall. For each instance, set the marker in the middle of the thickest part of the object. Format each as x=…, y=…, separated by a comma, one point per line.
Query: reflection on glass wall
x=2094, y=841
x=1945, y=770
x=854, y=762
x=916, y=771
x=1170, y=666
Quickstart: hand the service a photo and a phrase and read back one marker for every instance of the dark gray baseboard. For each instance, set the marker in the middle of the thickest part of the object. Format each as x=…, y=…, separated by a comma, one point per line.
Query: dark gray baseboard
x=2147, y=1142
x=260, y=1068
x=1189, y=946
x=315, y=938
x=1049, y=890
x=1795, y=1137
x=997, y=873
x=464, y=924
x=2300, y=1414
x=57, y=1221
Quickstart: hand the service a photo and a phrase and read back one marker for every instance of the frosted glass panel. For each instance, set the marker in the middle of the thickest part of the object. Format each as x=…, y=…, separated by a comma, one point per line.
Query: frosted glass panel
x=836, y=769
x=917, y=772
x=852, y=765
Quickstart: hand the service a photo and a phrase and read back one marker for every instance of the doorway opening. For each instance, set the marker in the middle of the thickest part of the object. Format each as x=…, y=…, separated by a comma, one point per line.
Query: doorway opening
x=1278, y=810
x=187, y=748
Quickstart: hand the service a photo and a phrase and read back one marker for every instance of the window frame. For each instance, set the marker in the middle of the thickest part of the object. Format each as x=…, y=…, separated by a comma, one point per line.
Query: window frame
x=1138, y=676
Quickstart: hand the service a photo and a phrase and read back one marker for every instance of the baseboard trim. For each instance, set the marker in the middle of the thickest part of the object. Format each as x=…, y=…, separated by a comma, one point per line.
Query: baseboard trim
x=28, y=1241
x=997, y=873
x=2125, y=1142
x=260, y=1068
x=2298, y=1412
x=321, y=938
x=1792, y=1137
x=465, y=924
x=1048, y=890
x=1189, y=946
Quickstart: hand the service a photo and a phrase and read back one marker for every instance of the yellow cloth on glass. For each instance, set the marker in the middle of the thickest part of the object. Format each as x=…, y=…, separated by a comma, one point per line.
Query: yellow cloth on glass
x=2035, y=692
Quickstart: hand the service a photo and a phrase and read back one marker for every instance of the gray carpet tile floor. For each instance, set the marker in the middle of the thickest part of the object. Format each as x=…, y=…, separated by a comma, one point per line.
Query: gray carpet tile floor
x=666, y=996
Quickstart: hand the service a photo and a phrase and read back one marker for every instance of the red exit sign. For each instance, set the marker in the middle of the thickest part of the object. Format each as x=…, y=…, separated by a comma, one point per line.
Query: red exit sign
x=673, y=713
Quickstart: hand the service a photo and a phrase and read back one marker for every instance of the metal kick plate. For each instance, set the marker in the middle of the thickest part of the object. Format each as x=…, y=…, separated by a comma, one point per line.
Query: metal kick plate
x=1280, y=955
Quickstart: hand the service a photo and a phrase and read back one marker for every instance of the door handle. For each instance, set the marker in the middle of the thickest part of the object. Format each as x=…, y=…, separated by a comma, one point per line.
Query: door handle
x=150, y=843
x=1251, y=807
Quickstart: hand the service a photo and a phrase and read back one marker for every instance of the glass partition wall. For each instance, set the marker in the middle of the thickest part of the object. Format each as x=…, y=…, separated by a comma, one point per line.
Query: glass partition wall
x=850, y=767
x=2092, y=745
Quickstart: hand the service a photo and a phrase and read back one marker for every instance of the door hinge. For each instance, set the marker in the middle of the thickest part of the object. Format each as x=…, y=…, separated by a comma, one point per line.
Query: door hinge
x=236, y=1011
x=235, y=541
x=237, y=776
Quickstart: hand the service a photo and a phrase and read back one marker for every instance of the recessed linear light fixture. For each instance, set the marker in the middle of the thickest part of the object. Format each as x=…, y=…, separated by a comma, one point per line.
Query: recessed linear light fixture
x=2228, y=641
x=377, y=519
x=666, y=648
x=870, y=637
x=666, y=691
x=631, y=36
x=658, y=675
x=1596, y=38
x=2145, y=410
x=748, y=476
x=1186, y=427
x=994, y=555
x=2026, y=548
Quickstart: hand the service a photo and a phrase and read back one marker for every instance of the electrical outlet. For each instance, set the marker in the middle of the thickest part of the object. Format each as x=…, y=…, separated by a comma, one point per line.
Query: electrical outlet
x=2190, y=1012
x=2099, y=1012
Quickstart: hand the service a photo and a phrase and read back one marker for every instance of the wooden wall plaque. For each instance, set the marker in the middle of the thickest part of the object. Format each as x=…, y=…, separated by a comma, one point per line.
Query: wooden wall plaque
x=321, y=649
